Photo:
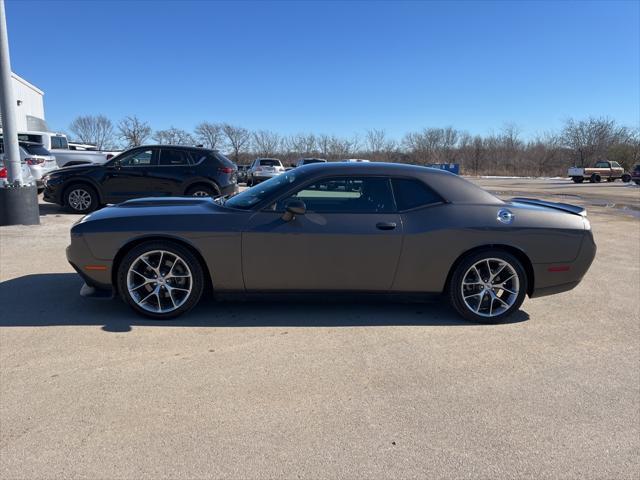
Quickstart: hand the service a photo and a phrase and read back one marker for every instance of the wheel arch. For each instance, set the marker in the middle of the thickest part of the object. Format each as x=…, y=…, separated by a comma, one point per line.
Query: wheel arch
x=201, y=182
x=80, y=181
x=516, y=252
x=131, y=244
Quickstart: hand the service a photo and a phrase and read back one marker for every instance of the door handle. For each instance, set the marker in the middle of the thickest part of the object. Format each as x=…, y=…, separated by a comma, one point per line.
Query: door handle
x=386, y=225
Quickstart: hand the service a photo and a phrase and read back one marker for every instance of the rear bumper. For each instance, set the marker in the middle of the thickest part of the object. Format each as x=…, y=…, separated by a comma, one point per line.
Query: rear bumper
x=230, y=189
x=551, y=278
x=262, y=178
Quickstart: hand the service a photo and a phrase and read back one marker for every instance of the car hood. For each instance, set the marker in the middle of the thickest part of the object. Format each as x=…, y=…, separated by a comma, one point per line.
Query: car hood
x=154, y=206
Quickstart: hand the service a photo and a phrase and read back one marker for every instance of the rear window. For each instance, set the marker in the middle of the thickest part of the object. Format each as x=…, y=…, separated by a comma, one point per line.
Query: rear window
x=174, y=158
x=270, y=163
x=412, y=193
x=36, y=149
x=307, y=161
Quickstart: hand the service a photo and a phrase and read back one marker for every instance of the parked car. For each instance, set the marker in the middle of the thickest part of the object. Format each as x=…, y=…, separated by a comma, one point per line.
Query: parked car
x=308, y=161
x=242, y=173
x=340, y=227
x=37, y=158
x=635, y=174
x=148, y=171
x=601, y=170
x=263, y=169
x=27, y=178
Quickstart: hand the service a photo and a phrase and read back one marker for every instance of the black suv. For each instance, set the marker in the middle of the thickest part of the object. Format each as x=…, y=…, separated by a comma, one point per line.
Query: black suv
x=148, y=171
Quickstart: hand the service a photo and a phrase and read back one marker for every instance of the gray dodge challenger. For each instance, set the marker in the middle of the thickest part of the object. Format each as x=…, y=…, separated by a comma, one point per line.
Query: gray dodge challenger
x=336, y=227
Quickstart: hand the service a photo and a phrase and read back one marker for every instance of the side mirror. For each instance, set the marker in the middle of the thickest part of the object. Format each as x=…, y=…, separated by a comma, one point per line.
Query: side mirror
x=293, y=208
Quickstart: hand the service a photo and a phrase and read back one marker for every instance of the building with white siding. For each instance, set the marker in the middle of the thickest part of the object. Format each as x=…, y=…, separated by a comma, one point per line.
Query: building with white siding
x=29, y=105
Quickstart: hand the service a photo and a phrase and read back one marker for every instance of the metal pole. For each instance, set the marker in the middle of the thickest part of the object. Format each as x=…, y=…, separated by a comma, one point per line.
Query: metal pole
x=8, y=107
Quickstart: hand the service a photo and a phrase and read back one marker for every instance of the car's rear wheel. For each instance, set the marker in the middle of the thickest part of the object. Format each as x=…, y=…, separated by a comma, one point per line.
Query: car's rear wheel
x=80, y=198
x=578, y=179
x=202, y=191
x=160, y=280
x=626, y=178
x=488, y=286
x=595, y=178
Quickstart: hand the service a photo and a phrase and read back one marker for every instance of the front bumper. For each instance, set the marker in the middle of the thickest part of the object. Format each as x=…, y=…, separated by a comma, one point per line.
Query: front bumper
x=95, y=273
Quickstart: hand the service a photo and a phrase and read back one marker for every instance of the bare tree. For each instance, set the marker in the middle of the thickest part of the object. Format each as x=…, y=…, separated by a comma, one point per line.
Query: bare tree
x=210, y=135
x=266, y=143
x=133, y=132
x=238, y=139
x=592, y=138
x=173, y=136
x=376, y=140
x=95, y=130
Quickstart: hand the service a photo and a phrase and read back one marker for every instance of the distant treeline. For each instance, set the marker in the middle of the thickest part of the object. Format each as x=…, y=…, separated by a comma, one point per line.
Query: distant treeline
x=579, y=142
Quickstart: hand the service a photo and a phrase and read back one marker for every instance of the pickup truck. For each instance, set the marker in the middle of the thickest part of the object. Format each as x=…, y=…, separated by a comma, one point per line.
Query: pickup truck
x=601, y=170
x=58, y=145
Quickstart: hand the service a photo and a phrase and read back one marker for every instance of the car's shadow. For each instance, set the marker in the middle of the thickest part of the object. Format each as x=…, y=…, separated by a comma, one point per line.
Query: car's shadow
x=53, y=299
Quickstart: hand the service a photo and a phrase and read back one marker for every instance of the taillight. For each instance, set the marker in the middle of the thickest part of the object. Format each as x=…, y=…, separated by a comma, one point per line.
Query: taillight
x=3, y=173
x=34, y=161
x=225, y=169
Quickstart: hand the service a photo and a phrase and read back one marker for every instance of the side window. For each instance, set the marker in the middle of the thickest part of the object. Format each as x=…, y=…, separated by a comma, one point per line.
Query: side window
x=602, y=165
x=615, y=165
x=412, y=193
x=139, y=158
x=174, y=158
x=59, y=142
x=345, y=195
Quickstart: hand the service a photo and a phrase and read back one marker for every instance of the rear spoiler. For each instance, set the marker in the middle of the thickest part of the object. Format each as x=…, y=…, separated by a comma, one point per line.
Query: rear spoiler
x=565, y=207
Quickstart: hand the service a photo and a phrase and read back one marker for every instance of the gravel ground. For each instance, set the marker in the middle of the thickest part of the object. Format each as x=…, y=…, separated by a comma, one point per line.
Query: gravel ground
x=323, y=390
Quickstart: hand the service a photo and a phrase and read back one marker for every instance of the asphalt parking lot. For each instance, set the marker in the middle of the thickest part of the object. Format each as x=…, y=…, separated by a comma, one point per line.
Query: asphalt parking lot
x=324, y=389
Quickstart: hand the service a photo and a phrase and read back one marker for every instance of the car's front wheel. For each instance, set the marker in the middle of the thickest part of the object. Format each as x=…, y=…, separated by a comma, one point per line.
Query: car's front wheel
x=160, y=280
x=626, y=178
x=81, y=198
x=488, y=286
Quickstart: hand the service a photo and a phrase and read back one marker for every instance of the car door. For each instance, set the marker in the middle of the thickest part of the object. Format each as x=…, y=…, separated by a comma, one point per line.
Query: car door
x=128, y=176
x=349, y=239
x=174, y=169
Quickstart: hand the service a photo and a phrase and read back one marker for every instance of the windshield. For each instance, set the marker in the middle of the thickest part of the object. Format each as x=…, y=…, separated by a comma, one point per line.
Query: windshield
x=254, y=195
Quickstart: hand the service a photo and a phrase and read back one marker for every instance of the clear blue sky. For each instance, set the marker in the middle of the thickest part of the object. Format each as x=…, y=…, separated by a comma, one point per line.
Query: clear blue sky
x=332, y=67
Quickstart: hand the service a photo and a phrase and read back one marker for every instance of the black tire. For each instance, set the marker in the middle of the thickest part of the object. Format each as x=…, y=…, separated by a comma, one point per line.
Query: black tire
x=456, y=288
x=578, y=179
x=626, y=178
x=81, y=198
x=202, y=191
x=194, y=266
x=595, y=178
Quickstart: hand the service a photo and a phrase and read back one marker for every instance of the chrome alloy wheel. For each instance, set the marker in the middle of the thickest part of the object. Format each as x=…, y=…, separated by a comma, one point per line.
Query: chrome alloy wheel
x=490, y=287
x=159, y=281
x=200, y=193
x=79, y=199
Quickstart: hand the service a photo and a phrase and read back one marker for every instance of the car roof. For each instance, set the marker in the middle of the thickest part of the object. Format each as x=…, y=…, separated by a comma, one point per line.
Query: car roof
x=185, y=147
x=450, y=186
